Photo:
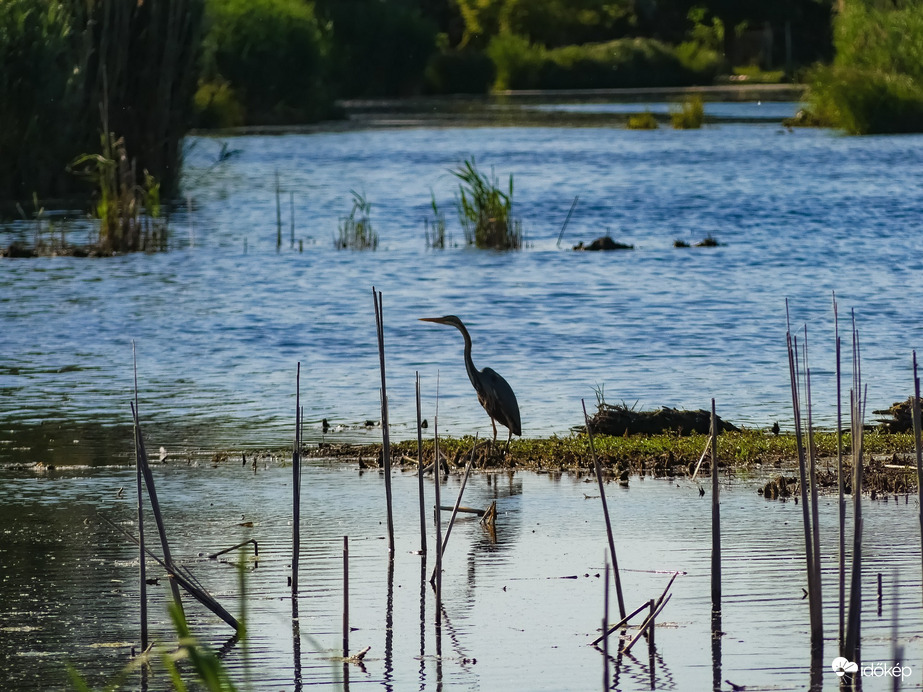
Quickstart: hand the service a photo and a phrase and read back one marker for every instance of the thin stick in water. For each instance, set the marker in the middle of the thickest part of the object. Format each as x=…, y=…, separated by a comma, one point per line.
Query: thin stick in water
x=420, y=471
x=602, y=495
x=606, y=622
x=142, y=557
x=917, y=446
x=436, y=468
x=296, y=485
x=841, y=480
x=461, y=490
x=345, y=596
x=566, y=220
x=278, y=213
x=715, y=517
x=385, y=428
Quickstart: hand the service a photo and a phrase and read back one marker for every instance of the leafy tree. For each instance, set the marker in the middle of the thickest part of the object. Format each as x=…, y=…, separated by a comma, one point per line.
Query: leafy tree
x=273, y=55
x=546, y=22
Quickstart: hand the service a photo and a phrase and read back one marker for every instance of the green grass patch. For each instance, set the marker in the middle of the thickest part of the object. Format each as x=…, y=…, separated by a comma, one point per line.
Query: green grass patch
x=667, y=454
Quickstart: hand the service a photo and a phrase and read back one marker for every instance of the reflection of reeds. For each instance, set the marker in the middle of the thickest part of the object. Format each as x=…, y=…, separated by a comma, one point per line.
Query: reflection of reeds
x=128, y=211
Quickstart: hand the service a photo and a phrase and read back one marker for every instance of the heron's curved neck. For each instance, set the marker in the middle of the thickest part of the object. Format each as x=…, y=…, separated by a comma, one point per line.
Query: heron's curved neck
x=469, y=364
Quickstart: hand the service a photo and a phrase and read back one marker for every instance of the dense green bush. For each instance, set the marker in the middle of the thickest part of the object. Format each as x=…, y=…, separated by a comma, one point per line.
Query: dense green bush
x=217, y=106
x=888, y=40
x=273, y=57
x=876, y=83
x=379, y=48
x=690, y=115
x=460, y=72
x=864, y=101
x=623, y=63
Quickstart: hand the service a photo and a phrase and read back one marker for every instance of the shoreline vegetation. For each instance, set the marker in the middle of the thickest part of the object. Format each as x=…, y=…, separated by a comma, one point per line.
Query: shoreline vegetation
x=748, y=453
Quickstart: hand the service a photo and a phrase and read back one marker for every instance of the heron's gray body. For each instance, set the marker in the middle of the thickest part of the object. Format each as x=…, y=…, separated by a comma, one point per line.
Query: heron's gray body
x=494, y=393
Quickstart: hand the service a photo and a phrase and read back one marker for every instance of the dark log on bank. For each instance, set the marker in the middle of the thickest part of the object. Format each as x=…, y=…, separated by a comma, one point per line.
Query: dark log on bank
x=620, y=420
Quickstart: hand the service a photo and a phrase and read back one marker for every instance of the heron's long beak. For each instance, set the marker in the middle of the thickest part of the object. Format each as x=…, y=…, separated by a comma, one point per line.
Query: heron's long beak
x=437, y=320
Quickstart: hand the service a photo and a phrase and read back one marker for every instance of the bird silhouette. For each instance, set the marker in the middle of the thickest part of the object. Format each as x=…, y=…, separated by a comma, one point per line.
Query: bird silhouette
x=494, y=393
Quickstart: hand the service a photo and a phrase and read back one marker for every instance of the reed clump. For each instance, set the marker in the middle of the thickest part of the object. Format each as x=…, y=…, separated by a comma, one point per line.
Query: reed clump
x=128, y=209
x=642, y=121
x=690, y=115
x=485, y=210
x=355, y=231
x=435, y=229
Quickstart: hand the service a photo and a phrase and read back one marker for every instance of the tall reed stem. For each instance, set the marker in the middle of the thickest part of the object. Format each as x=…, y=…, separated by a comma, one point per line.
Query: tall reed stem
x=420, y=471
x=296, y=485
x=385, y=427
x=918, y=447
x=841, y=479
x=715, y=516
x=142, y=556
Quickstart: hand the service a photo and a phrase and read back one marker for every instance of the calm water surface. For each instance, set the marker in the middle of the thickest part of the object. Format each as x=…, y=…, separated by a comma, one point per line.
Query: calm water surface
x=520, y=607
x=221, y=320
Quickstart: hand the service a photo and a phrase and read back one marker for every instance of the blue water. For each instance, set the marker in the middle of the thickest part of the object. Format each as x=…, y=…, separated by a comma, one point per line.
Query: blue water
x=221, y=320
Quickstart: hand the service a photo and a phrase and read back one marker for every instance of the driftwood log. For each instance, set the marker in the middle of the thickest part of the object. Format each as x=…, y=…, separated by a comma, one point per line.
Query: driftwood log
x=901, y=419
x=620, y=420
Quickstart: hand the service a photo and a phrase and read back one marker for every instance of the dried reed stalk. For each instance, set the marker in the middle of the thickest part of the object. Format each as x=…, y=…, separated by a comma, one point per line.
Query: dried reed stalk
x=142, y=558
x=385, y=427
x=841, y=479
x=155, y=508
x=814, y=604
x=602, y=495
x=296, y=485
x=436, y=466
x=420, y=471
x=715, y=516
x=461, y=490
x=812, y=476
x=345, y=596
x=857, y=400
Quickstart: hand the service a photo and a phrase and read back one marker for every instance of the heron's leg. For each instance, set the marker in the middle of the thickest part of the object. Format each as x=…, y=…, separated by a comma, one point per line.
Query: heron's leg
x=493, y=444
x=508, y=440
